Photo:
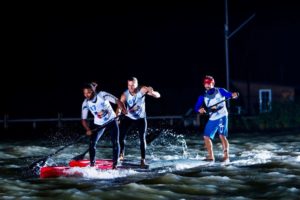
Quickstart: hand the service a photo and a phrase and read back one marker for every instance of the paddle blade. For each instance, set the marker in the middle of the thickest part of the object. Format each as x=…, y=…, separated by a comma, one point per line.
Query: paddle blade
x=81, y=156
x=152, y=136
x=41, y=163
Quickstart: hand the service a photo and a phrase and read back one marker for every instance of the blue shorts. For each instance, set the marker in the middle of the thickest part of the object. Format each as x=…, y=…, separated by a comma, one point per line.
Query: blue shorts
x=220, y=125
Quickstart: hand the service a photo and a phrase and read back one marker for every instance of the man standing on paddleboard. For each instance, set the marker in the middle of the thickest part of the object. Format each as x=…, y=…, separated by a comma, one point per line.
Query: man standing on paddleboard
x=98, y=103
x=214, y=99
x=134, y=99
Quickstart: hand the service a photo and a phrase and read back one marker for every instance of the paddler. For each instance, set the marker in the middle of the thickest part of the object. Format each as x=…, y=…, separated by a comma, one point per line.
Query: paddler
x=98, y=103
x=218, y=116
x=134, y=99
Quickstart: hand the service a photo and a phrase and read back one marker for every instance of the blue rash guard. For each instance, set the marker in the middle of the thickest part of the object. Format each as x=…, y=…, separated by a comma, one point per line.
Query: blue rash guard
x=211, y=97
x=218, y=120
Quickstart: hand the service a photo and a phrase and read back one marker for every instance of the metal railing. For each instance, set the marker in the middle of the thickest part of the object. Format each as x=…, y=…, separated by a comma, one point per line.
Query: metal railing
x=59, y=120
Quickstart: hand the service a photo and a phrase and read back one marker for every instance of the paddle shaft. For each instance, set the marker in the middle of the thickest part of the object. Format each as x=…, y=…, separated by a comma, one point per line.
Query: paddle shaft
x=210, y=107
x=43, y=160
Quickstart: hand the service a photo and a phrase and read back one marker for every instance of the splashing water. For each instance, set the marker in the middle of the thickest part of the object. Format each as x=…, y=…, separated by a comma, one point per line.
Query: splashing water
x=93, y=173
x=262, y=167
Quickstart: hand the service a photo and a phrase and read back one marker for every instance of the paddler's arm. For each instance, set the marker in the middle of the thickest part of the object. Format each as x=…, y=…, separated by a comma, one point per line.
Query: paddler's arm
x=198, y=105
x=228, y=94
x=121, y=107
x=84, y=116
x=86, y=126
x=111, y=98
x=149, y=90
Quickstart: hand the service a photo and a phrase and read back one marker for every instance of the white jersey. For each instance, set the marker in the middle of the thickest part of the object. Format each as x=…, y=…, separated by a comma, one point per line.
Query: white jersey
x=99, y=103
x=135, y=105
x=214, y=98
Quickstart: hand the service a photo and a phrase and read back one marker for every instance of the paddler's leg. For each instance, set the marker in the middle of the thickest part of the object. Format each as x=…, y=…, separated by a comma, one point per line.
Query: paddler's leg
x=225, y=145
x=223, y=133
x=209, y=148
x=209, y=134
x=125, y=126
x=93, y=143
x=142, y=128
x=114, y=133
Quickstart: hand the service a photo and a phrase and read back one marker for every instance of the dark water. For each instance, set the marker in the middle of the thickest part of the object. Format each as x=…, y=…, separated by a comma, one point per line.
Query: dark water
x=263, y=166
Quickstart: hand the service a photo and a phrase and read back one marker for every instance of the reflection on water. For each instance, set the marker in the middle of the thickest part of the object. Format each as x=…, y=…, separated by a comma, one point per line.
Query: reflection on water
x=263, y=166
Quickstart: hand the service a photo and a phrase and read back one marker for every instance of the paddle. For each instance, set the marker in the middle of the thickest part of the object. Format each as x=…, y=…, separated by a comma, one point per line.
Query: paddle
x=210, y=110
x=43, y=160
x=81, y=156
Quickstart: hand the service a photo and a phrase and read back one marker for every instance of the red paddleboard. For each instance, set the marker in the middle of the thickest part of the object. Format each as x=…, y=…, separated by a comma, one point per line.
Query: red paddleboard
x=57, y=171
x=100, y=164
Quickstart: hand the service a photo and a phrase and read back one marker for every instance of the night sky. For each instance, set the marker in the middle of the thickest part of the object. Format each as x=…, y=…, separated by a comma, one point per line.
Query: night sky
x=50, y=55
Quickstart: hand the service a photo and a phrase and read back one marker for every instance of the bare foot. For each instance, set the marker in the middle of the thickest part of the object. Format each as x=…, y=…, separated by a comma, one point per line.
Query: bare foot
x=143, y=163
x=209, y=159
x=121, y=157
x=225, y=160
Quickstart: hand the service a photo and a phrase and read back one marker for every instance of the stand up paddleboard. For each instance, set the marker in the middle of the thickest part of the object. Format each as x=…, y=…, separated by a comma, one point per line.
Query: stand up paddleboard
x=107, y=164
x=57, y=171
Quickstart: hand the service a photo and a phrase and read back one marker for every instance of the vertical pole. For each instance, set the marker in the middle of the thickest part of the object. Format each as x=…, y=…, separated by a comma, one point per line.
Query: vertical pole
x=198, y=120
x=59, y=123
x=248, y=99
x=227, y=36
x=226, y=33
x=34, y=124
x=5, y=121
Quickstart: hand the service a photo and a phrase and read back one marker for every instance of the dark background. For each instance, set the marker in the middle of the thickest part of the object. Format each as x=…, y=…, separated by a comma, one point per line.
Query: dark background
x=49, y=55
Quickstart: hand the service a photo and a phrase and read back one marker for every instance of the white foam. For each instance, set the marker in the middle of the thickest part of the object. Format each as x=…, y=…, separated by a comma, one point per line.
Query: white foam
x=254, y=157
x=239, y=198
x=31, y=150
x=188, y=164
x=293, y=189
x=91, y=172
x=6, y=156
x=274, y=173
x=268, y=146
x=169, y=157
x=12, y=166
x=217, y=178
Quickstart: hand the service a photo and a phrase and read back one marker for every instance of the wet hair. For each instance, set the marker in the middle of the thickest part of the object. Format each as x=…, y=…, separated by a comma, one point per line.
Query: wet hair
x=132, y=78
x=92, y=86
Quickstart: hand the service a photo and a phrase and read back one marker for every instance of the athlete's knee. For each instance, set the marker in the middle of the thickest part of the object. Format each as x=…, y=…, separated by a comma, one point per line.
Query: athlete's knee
x=143, y=144
x=93, y=144
x=115, y=141
x=206, y=137
x=121, y=142
x=223, y=137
